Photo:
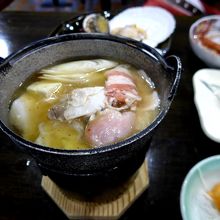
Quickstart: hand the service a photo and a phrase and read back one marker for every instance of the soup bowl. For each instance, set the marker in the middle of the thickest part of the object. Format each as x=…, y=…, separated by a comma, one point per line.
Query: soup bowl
x=98, y=166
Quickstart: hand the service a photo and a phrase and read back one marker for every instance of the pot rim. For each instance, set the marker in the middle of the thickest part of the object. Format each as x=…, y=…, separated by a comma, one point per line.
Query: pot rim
x=147, y=50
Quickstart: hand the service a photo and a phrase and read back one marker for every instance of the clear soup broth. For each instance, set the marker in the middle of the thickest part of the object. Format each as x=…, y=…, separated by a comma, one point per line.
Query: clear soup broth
x=84, y=104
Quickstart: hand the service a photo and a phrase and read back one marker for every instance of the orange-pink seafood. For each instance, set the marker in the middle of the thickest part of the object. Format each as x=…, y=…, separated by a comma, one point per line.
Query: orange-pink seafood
x=121, y=91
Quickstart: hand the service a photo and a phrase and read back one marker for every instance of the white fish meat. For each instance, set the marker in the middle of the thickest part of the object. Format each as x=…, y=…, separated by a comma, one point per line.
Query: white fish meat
x=81, y=102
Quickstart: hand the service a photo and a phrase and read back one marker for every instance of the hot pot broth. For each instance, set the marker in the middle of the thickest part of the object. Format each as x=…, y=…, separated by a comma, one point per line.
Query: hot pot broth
x=83, y=104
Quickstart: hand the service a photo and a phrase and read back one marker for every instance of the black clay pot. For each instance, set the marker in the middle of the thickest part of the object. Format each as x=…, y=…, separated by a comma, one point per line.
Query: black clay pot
x=102, y=165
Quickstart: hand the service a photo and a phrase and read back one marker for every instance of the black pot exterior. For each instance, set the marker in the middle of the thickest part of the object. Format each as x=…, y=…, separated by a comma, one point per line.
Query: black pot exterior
x=106, y=164
x=111, y=169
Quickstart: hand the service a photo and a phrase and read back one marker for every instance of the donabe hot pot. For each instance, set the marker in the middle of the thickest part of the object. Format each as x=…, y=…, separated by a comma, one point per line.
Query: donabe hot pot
x=98, y=166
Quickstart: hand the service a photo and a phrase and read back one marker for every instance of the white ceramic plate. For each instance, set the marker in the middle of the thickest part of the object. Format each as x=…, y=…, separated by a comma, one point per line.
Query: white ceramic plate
x=158, y=23
x=206, y=84
x=195, y=203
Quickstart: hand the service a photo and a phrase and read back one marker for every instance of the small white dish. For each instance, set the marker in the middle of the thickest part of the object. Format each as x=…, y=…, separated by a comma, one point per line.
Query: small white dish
x=204, y=37
x=195, y=203
x=206, y=85
x=156, y=24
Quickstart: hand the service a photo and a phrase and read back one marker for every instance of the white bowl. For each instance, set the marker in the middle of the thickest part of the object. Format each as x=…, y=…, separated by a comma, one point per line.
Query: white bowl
x=157, y=23
x=195, y=203
x=207, y=54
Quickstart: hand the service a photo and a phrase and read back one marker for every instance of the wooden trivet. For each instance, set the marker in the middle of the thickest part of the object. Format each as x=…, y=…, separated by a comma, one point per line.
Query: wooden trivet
x=110, y=204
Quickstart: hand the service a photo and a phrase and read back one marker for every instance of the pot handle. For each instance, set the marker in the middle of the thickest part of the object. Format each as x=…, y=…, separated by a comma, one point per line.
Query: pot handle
x=2, y=60
x=175, y=66
x=4, y=66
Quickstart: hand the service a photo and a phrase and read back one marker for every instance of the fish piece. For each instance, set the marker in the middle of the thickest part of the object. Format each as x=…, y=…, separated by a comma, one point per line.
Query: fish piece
x=109, y=126
x=47, y=89
x=121, y=91
x=80, y=102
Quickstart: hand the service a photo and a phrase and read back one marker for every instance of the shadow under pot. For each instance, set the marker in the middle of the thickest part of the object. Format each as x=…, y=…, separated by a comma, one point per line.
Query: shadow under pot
x=100, y=166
